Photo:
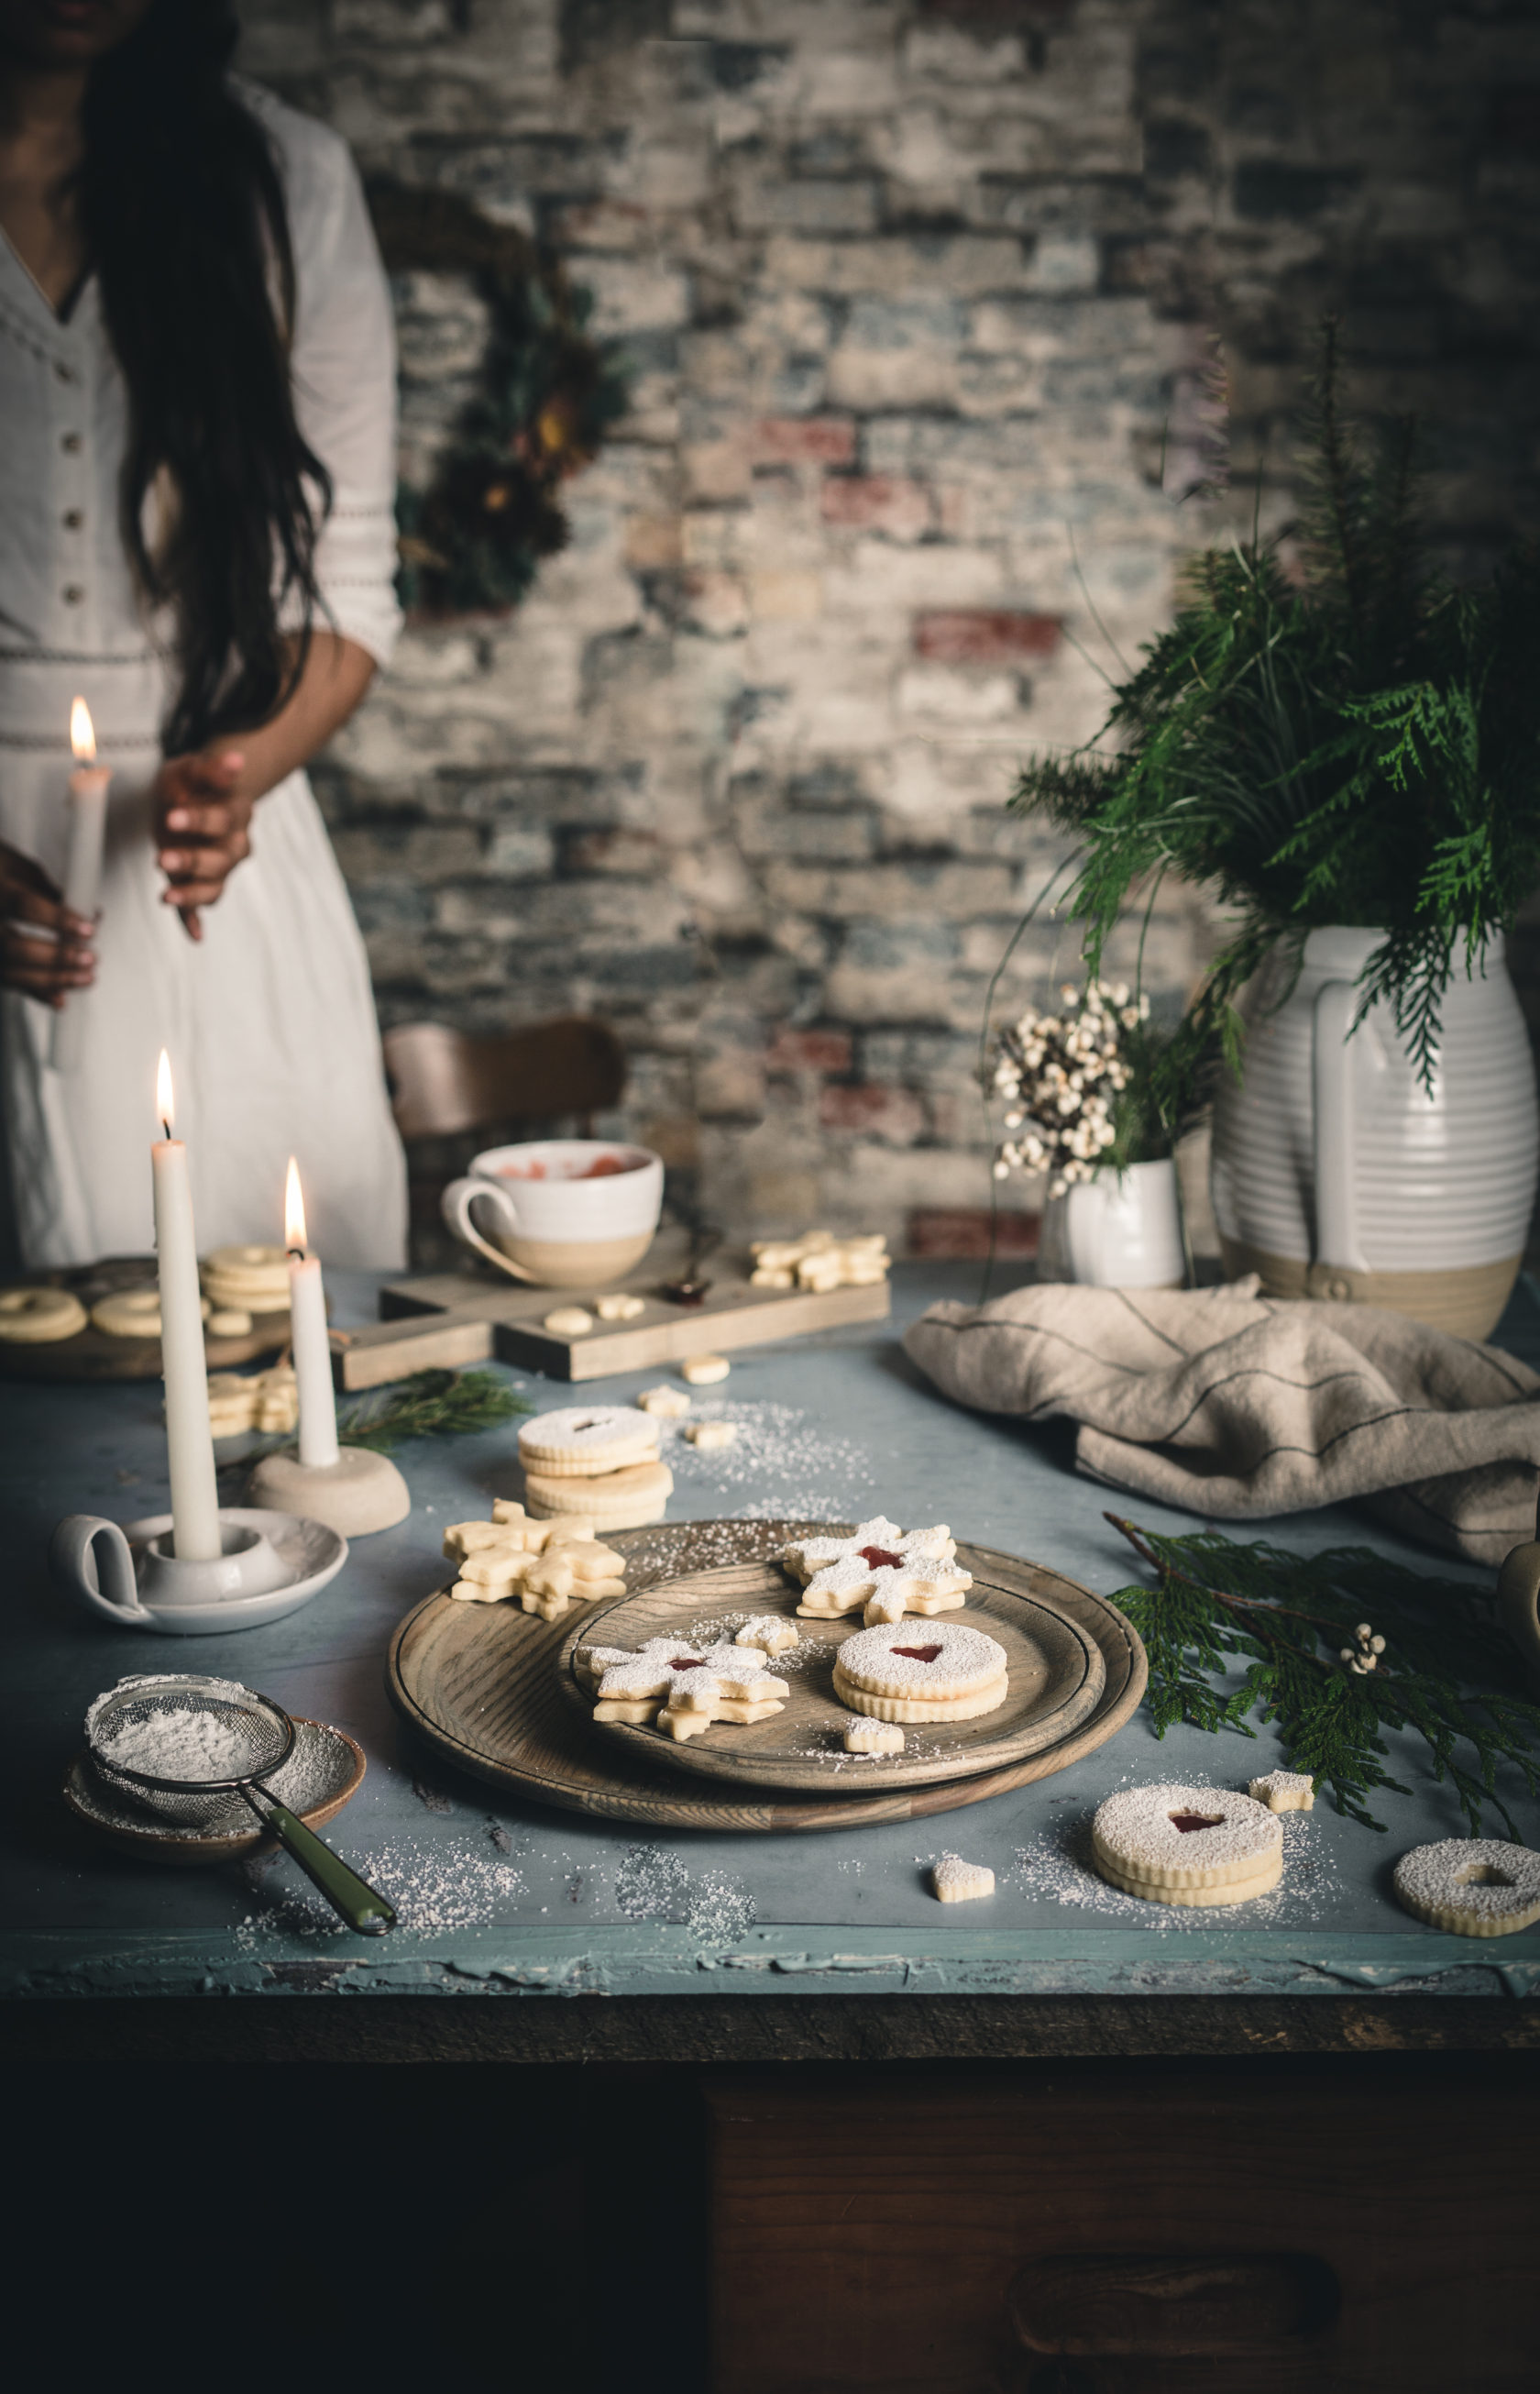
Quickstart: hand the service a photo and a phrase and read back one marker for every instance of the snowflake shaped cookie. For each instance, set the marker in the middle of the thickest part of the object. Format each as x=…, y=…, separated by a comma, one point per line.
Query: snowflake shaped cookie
x=666, y=1668
x=888, y=1570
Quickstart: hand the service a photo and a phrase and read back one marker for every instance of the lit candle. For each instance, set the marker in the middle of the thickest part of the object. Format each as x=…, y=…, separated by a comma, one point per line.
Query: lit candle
x=189, y=1440
x=88, y=785
x=311, y=1340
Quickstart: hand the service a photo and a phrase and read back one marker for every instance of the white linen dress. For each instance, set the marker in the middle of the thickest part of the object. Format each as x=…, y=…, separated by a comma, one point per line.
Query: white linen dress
x=270, y=1021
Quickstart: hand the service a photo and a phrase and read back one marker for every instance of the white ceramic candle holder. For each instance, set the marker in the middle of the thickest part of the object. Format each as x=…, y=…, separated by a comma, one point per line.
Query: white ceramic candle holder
x=358, y=1493
x=273, y=1562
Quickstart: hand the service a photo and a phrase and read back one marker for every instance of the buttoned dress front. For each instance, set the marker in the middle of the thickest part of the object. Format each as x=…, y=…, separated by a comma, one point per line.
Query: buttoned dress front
x=269, y=1022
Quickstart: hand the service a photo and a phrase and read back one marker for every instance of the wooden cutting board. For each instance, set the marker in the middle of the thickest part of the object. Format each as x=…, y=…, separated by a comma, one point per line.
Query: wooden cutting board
x=452, y=1319
x=91, y=1354
x=1055, y=1678
x=479, y=1683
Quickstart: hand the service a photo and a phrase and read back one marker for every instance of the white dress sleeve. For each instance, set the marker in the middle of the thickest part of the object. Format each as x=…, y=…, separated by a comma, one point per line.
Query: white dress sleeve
x=344, y=366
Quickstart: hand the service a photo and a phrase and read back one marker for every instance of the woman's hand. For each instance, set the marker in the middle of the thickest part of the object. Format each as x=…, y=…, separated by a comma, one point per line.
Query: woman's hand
x=202, y=818
x=45, y=949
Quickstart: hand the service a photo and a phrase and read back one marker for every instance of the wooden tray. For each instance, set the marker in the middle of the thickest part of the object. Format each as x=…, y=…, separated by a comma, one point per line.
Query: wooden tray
x=472, y=1316
x=91, y=1354
x=479, y=1683
x=1056, y=1679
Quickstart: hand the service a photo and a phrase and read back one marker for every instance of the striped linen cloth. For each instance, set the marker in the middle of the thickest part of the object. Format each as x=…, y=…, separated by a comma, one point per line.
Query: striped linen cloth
x=1225, y=1403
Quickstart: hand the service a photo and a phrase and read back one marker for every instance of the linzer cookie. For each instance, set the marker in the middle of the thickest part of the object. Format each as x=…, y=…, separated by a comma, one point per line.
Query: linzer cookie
x=582, y=1442
x=888, y=1571
x=684, y=1687
x=1470, y=1886
x=943, y=1672
x=1197, y=1846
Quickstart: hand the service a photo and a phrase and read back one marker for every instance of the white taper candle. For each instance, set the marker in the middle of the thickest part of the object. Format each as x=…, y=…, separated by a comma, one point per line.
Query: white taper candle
x=311, y=1341
x=89, y=786
x=189, y=1440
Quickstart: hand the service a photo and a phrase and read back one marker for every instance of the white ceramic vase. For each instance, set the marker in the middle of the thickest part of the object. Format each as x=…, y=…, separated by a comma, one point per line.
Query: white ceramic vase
x=1121, y=1230
x=1336, y=1175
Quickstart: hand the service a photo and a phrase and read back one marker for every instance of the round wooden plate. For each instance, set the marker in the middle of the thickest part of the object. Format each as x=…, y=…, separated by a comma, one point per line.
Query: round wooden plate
x=479, y=1683
x=1055, y=1677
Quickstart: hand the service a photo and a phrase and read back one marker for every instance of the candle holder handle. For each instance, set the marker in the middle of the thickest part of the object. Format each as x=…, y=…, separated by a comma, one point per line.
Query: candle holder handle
x=91, y=1557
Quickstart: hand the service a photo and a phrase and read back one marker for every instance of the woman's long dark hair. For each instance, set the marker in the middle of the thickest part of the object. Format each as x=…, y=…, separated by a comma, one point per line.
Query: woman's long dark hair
x=186, y=226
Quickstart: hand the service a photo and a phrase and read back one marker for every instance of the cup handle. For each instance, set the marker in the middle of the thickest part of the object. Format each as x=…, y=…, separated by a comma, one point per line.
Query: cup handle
x=99, y=1576
x=455, y=1205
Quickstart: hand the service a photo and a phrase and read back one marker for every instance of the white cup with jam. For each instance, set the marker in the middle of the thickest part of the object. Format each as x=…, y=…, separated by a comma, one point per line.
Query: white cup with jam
x=560, y=1213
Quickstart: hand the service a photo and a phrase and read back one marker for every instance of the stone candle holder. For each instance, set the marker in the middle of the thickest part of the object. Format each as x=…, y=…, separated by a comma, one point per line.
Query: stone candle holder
x=360, y=1492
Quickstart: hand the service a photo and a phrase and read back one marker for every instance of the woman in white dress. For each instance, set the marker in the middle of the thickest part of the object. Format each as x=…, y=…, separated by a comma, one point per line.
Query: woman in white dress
x=197, y=440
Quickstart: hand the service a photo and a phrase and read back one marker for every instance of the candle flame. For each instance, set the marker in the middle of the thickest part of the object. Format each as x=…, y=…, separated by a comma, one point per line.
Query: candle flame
x=83, y=732
x=163, y=1105
x=294, y=1211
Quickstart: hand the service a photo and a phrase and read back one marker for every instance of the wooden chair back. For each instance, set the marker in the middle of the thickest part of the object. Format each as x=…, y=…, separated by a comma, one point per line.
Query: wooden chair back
x=444, y=1080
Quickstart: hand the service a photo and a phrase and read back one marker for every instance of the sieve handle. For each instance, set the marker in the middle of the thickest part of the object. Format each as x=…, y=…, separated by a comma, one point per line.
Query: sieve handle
x=343, y=1888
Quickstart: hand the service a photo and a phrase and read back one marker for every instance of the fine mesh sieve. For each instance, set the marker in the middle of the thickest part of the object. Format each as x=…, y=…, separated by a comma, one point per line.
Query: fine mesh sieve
x=215, y=1742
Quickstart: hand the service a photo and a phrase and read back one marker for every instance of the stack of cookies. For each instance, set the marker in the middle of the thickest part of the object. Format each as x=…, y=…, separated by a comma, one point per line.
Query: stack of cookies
x=597, y=1461
x=546, y=1565
x=240, y=1281
x=264, y=1401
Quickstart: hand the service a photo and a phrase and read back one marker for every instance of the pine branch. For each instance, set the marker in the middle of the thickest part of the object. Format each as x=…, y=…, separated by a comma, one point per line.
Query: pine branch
x=1215, y=1603
x=432, y=1404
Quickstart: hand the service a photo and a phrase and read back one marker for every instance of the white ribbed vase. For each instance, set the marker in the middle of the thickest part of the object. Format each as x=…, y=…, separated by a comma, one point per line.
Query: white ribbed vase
x=1337, y=1174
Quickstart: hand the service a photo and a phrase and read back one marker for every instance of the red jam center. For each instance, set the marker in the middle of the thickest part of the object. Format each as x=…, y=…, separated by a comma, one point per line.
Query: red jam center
x=918, y=1653
x=1188, y=1821
x=879, y=1559
x=686, y=1662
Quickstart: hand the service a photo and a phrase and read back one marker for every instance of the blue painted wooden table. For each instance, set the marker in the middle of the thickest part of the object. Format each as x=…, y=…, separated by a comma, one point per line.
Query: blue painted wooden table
x=498, y=1896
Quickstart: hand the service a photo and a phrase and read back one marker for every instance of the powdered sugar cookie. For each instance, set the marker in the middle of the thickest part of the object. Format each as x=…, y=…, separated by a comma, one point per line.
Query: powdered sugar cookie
x=669, y=1404
x=35, y=1316
x=1470, y=1886
x=948, y=1671
x=710, y=1434
x=665, y=1665
x=1285, y=1791
x=954, y=1881
x=805, y=1558
x=1188, y=1844
x=863, y=1736
x=914, y=1584
x=582, y=1441
x=772, y=1632
x=704, y=1371
x=681, y=1721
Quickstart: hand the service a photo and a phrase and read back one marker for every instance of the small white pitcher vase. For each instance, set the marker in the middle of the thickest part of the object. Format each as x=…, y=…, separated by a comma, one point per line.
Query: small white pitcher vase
x=1336, y=1175
x=1119, y=1229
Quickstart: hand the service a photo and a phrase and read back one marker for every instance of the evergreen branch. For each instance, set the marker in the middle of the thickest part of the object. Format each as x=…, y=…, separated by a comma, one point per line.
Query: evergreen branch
x=1216, y=1603
x=432, y=1404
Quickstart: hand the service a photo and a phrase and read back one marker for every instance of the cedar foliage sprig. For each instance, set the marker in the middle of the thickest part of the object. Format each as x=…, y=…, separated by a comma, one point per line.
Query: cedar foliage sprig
x=432, y=1404
x=1364, y=750
x=1287, y=1618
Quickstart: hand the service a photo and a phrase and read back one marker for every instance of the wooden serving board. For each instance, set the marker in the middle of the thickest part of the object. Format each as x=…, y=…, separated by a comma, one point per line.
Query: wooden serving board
x=470, y=1317
x=91, y=1354
x=1055, y=1677
x=479, y=1684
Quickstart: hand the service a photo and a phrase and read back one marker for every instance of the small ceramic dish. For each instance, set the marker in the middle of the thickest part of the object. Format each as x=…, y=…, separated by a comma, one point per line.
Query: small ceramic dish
x=271, y=1564
x=324, y=1772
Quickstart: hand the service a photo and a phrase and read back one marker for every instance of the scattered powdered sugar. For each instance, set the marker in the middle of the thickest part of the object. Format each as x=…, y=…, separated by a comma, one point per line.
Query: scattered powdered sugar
x=650, y=1883
x=431, y=1887
x=812, y=1473
x=721, y=1909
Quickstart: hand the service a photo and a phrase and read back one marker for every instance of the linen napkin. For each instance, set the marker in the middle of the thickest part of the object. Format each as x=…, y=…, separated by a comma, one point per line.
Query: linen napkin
x=1222, y=1403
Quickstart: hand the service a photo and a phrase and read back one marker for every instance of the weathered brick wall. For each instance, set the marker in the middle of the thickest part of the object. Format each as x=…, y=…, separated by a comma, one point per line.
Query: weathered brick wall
x=915, y=297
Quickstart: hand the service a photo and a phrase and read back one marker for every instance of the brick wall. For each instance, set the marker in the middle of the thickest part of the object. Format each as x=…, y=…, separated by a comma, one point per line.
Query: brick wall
x=915, y=297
